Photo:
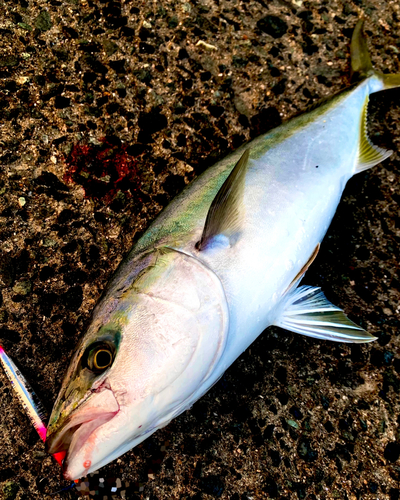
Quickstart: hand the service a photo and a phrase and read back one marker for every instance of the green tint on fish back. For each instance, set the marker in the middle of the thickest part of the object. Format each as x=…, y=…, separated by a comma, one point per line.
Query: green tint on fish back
x=186, y=213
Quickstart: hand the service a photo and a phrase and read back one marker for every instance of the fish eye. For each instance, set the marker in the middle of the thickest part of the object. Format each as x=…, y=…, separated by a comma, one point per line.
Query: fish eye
x=102, y=359
x=99, y=357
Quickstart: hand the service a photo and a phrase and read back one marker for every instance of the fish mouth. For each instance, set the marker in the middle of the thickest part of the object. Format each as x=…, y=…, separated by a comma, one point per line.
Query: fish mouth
x=78, y=428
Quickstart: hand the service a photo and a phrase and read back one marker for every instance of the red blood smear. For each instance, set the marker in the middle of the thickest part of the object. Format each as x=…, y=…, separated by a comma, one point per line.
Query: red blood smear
x=102, y=170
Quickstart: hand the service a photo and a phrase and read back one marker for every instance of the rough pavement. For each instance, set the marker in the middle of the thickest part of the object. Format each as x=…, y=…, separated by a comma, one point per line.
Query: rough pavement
x=107, y=110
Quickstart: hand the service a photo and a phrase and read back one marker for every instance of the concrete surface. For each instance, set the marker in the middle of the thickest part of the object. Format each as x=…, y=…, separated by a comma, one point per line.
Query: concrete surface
x=107, y=110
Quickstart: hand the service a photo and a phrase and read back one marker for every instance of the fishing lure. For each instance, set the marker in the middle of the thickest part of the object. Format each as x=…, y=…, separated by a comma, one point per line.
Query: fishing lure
x=28, y=398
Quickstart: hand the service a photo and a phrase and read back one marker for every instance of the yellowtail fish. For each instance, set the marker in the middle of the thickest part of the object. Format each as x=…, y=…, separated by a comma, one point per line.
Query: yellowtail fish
x=220, y=264
x=30, y=402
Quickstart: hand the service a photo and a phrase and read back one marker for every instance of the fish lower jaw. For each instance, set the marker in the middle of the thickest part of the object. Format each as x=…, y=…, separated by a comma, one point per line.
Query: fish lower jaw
x=76, y=435
x=72, y=475
x=82, y=436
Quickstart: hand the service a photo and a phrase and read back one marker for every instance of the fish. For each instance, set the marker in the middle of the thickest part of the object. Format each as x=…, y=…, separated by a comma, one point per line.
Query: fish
x=219, y=265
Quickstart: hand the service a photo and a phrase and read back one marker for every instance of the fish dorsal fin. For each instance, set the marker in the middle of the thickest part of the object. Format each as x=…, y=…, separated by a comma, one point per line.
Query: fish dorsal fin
x=226, y=211
x=361, y=65
x=307, y=311
x=369, y=155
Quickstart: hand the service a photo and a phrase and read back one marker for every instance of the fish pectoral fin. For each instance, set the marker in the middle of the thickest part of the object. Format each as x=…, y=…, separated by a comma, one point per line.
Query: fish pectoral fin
x=308, y=312
x=369, y=155
x=226, y=211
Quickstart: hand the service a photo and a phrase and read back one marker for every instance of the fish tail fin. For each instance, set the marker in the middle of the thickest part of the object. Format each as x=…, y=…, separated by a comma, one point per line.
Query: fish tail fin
x=389, y=81
x=361, y=65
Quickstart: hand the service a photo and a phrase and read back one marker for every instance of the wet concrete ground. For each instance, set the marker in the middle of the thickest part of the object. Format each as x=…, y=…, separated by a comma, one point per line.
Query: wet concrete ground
x=107, y=110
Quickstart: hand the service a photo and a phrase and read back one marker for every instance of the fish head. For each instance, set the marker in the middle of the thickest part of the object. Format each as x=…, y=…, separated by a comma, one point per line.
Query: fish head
x=153, y=343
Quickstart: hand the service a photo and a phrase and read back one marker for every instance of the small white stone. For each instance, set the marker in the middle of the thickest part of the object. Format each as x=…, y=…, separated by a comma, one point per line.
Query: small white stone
x=21, y=201
x=206, y=45
x=22, y=79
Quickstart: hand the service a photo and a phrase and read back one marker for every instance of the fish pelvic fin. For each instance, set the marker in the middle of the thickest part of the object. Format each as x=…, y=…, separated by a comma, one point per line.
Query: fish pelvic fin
x=226, y=211
x=307, y=311
x=361, y=65
x=299, y=276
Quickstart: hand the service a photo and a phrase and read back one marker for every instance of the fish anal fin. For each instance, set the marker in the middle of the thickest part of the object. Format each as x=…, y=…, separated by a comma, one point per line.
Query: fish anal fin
x=369, y=155
x=226, y=212
x=307, y=311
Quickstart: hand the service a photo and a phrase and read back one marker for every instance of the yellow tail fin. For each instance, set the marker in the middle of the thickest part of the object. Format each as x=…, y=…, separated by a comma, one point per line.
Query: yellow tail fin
x=390, y=81
x=361, y=66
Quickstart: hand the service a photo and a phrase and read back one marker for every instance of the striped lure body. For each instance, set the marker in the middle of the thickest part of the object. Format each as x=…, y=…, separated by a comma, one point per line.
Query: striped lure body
x=30, y=402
